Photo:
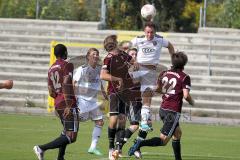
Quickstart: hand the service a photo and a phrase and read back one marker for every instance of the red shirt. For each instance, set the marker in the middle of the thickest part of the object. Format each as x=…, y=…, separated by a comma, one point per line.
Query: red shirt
x=56, y=74
x=173, y=83
x=117, y=65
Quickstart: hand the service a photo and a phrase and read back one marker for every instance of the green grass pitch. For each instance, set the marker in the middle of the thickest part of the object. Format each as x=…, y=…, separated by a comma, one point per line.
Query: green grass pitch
x=19, y=133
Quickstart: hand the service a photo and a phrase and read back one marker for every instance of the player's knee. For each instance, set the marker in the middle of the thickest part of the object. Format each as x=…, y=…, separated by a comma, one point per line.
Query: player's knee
x=177, y=134
x=73, y=139
x=133, y=128
x=122, y=120
x=147, y=93
x=164, y=138
x=72, y=136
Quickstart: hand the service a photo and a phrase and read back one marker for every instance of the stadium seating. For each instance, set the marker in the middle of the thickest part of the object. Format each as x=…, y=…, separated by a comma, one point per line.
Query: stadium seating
x=25, y=49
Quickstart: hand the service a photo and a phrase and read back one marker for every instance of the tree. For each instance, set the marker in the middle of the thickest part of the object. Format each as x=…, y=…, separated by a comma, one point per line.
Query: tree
x=230, y=14
x=60, y=10
x=17, y=9
x=123, y=14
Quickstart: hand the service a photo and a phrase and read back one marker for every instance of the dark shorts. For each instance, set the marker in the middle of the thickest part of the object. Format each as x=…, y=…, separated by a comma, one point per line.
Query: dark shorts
x=134, y=113
x=71, y=123
x=170, y=121
x=118, y=104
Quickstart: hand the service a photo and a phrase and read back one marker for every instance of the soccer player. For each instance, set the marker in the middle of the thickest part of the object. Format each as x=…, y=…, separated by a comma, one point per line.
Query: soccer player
x=115, y=71
x=149, y=49
x=175, y=85
x=61, y=89
x=87, y=84
x=7, y=84
x=134, y=111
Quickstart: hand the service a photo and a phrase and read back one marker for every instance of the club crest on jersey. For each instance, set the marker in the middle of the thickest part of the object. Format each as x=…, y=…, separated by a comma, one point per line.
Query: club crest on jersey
x=148, y=50
x=154, y=43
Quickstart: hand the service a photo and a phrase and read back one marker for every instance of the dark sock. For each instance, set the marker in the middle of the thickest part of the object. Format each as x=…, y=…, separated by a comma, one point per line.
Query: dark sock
x=61, y=152
x=119, y=138
x=155, y=141
x=111, y=136
x=57, y=143
x=142, y=134
x=176, y=145
x=128, y=134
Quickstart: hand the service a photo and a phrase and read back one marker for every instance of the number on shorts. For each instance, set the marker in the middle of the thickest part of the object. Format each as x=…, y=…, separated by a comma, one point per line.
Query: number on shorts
x=55, y=79
x=169, y=89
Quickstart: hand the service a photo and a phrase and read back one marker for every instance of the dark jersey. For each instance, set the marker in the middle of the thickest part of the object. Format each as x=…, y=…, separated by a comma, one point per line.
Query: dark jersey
x=56, y=74
x=117, y=65
x=173, y=83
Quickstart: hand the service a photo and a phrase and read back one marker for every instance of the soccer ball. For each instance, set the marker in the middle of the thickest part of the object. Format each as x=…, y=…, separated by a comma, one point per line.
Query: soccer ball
x=148, y=12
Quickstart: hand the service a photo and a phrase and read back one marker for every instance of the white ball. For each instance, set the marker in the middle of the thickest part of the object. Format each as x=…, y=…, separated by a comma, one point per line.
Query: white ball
x=148, y=11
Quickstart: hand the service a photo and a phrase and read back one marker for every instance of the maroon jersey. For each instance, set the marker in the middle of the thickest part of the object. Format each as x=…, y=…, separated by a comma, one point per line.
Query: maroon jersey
x=56, y=74
x=173, y=83
x=117, y=65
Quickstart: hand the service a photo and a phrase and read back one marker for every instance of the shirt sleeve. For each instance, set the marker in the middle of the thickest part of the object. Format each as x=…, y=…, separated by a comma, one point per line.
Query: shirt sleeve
x=68, y=69
x=106, y=63
x=134, y=42
x=77, y=75
x=187, y=83
x=49, y=79
x=164, y=42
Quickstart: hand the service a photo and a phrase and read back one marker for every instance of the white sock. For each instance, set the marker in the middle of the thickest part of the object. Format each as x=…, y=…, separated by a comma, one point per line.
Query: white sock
x=97, y=130
x=145, y=114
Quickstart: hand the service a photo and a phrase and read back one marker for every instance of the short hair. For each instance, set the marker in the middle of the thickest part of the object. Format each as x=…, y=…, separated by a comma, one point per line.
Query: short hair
x=60, y=51
x=179, y=60
x=125, y=45
x=150, y=25
x=132, y=49
x=91, y=50
x=110, y=43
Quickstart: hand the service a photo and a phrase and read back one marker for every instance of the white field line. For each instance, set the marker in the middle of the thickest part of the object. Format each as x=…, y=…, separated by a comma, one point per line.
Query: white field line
x=192, y=155
x=187, y=156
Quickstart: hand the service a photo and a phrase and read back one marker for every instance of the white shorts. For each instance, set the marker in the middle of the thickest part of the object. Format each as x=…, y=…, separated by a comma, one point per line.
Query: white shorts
x=147, y=78
x=94, y=115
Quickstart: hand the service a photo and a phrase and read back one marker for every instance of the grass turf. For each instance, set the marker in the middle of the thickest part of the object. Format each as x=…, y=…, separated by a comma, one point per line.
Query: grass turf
x=19, y=133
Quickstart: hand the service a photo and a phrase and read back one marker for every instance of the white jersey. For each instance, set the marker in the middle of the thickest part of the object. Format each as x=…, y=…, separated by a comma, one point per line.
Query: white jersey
x=149, y=51
x=88, y=85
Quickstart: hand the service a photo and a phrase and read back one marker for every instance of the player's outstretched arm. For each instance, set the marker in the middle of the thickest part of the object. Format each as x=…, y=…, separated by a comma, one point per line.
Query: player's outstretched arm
x=7, y=84
x=104, y=75
x=170, y=48
x=159, y=88
x=188, y=97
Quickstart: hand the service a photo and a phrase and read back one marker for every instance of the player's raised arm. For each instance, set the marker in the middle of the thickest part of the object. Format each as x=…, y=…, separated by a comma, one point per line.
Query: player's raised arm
x=170, y=48
x=7, y=84
x=104, y=75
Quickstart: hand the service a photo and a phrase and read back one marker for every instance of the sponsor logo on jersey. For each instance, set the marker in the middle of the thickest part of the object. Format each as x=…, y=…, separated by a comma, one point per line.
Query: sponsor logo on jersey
x=148, y=50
